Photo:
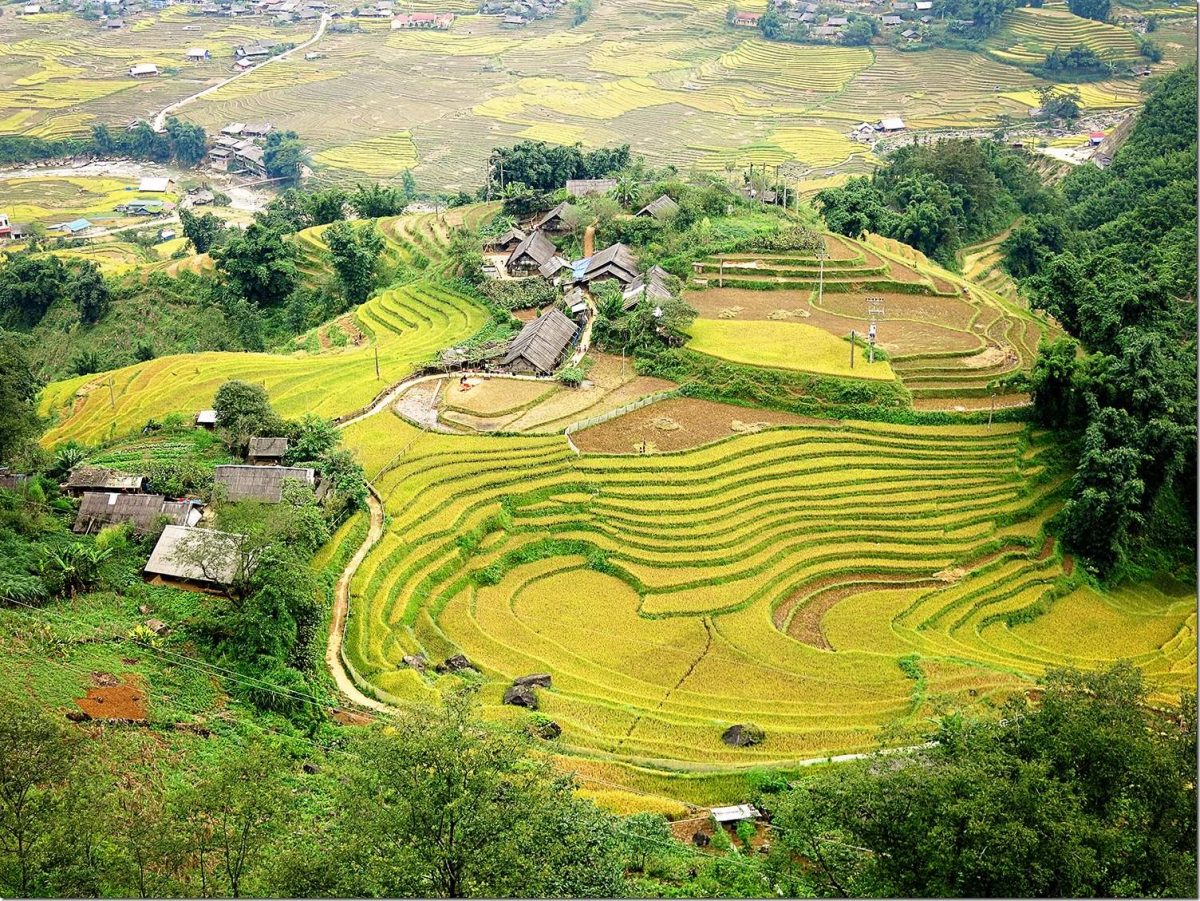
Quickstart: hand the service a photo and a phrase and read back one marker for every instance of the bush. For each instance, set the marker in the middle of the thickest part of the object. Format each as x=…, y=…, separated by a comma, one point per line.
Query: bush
x=571, y=376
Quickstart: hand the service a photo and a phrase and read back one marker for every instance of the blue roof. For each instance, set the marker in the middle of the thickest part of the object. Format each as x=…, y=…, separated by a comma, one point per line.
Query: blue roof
x=579, y=267
x=78, y=225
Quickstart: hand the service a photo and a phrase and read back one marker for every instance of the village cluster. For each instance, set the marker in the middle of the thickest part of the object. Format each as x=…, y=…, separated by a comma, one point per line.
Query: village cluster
x=530, y=252
x=909, y=16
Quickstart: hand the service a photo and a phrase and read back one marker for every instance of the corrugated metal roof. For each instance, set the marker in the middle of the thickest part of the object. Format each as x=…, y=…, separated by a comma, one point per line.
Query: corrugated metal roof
x=198, y=555
x=104, y=479
x=268, y=447
x=105, y=508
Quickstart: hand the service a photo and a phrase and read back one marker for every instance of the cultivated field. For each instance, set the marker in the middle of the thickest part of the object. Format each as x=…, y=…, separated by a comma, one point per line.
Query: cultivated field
x=409, y=325
x=947, y=339
x=669, y=78
x=823, y=581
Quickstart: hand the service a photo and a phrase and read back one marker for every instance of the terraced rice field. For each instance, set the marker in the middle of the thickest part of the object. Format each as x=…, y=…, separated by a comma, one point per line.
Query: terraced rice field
x=776, y=578
x=947, y=339
x=1029, y=34
x=409, y=324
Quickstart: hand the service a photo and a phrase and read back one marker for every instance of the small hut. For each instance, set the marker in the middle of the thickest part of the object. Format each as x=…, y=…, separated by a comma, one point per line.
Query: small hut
x=530, y=255
x=97, y=478
x=142, y=511
x=192, y=558
x=506, y=242
x=267, y=451
x=541, y=343
x=562, y=218
x=660, y=208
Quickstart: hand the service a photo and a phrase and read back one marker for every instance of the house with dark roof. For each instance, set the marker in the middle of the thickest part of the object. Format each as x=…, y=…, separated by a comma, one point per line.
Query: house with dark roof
x=659, y=208
x=615, y=262
x=653, y=284
x=530, y=255
x=541, y=344
x=193, y=558
x=260, y=483
x=266, y=451
x=506, y=242
x=97, y=478
x=143, y=512
x=562, y=218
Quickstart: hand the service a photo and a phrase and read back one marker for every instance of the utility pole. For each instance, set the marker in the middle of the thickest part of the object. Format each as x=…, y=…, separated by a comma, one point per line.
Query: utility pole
x=874, y=311
x=821, y=254
x=376, y=345
x=112, y=400
x=992, y=412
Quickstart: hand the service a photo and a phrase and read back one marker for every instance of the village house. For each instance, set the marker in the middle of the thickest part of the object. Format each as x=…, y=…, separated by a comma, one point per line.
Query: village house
x=660, y=208
x=891, y=21
x=583, y=187
x=824, y=31
x=74, y=227
x=256, y=50
x=891, y=124
x=197, y=54
x=734, y=814
x=746, y=20
x=614, y=262
x=530, y=255
x=143, y=512
x=652, y=284
x=256, y=129
x=193, y=558
x=206, y=419
x=250, y=159
x=246, y=62
x=98, y=478
x=233, y=129
x=8, y=231
x=541, y=344
x=139, y=207
x=203, y=197
x=563, y=218
x=154, y=185
x=31, y=9
x=440, y=21
x=506, y=242
x=910, y=35
x=266, y=451
x=114, y=23
x=837, y=21
x=143, y=70
x=260, y=483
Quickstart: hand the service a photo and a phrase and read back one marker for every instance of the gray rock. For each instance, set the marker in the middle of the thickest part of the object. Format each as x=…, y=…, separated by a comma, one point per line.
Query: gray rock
x=522, y=696
x=415, y=661
x=743, y=735
x=455, y=664
x=541, y=680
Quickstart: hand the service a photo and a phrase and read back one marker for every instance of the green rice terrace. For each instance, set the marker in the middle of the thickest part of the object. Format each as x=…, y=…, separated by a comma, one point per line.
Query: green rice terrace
x=679, y=566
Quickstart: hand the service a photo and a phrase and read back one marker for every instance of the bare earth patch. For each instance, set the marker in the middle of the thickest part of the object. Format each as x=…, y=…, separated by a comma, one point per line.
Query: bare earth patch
x=692, y=423
x=109, y=698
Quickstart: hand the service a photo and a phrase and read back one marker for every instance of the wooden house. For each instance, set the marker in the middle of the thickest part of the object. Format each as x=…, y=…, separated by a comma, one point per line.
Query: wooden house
x=540, y=345
x=614, y=262
x=582, y=187
x=97, y=478
x=267, y=451
x=192, y=558
x=653, y=284
x=142, y=511
x=507, y=242
x=563, y=218
x=659, y=208
x=260, y=483
x=530, y=255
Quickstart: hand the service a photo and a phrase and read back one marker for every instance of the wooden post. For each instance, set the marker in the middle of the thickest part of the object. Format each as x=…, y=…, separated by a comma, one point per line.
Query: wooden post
x=851, y=348
x=376, y=359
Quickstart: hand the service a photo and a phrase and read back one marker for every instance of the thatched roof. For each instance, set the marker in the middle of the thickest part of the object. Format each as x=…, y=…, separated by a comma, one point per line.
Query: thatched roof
x=514, y=234
x=537, y=249
x=196, y=555
x=659, y=208
x=99, y=509
x=260, y=483
x=268, y=447
x=101, y=479
x=564, y=213
x=541, y=342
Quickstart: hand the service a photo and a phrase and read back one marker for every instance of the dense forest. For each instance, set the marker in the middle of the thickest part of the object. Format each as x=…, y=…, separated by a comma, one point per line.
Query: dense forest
x=938, y=197
x=1115, y=262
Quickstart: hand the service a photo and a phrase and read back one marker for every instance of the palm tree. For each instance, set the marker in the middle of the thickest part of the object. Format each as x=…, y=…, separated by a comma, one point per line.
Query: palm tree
x=626, y=191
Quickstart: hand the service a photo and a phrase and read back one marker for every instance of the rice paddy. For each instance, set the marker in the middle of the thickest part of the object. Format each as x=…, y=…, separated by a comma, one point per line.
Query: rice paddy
x=776, y=577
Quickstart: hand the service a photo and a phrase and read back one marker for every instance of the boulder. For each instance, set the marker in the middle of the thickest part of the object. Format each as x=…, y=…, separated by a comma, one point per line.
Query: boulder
x=743, y=735
x=700, y=840
x=415, y=661
x=541, y=680
x=144, y=609
x=455, y=664
x=522, y=696
x=158, y=627
x=311, y=768
x=78, y=716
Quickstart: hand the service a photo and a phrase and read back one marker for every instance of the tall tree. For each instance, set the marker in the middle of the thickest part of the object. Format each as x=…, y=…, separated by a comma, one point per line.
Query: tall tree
x=88, y=290
x=204, y=231
x=259, y=264
x=354, y=253
x=19, y=422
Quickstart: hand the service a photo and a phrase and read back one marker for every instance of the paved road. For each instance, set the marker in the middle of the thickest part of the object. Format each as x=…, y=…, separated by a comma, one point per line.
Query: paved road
x=160, y=119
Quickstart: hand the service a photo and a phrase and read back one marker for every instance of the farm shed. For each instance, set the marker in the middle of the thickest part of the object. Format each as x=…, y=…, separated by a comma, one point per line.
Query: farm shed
x=154, y=185
x=541, y=343
x=197, y=54
x=582, y=187
x=615, y=262
x=260, y=483
x=837, y=21
x=188, y=557
x=506, y=242
x=746, y=20
x=207, y=419
x=267, y=451
x=142, y=511
x=530, y=255
x=734, y=814
x=256, y=129
x=652, y=284
x=894, y=123
x=97, y=478
x=233, y=129
x=562, y=218
x=143, y=70
x=74, y=227
x=660, y=208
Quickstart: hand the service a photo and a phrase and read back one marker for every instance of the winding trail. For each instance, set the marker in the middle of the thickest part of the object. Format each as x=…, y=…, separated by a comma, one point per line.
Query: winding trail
x=160, y=118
